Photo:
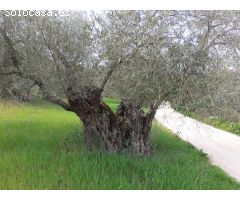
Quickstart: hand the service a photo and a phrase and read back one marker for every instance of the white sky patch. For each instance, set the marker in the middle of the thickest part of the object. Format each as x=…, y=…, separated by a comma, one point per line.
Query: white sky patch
x=121, y=4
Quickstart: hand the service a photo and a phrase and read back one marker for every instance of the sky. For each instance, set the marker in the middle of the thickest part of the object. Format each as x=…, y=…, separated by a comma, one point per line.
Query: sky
x=121, y=4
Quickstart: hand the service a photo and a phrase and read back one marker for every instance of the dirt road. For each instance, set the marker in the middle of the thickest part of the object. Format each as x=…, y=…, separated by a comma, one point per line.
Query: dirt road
x=223, y=148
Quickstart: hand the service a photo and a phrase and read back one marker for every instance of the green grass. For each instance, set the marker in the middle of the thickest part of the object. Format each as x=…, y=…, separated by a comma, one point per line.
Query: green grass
x=232, y=127
x=41, y=148
x=113, y=103
x=216, y=122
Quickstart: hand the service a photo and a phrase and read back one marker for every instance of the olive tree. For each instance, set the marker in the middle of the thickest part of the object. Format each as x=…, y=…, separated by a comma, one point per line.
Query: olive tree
x=148, y=56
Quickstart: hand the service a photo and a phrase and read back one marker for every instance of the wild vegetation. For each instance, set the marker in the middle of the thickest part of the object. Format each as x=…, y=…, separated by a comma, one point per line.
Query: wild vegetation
x=215, y=121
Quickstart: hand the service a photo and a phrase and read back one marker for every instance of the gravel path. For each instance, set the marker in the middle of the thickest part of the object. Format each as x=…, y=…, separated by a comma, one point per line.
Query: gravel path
x=223, y=148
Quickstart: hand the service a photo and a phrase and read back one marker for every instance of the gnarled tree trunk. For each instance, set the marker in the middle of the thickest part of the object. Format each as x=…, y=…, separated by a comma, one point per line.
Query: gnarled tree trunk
x=127, y=128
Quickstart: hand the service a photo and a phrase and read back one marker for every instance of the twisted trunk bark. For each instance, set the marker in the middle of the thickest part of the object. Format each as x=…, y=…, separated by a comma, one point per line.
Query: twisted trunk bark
x=127, y=128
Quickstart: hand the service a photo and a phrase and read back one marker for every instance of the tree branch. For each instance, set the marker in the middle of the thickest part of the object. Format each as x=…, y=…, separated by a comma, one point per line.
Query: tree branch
x=45, y=94
x=54, y=58
x=114, y=65
x=15, y=60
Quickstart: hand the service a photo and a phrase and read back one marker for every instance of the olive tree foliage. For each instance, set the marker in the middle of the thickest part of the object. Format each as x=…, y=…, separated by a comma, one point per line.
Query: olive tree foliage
x=223, y=96
x=215, y=37
x=185, y=50
x=142, y=39
x=8, y=87
x=143, y=57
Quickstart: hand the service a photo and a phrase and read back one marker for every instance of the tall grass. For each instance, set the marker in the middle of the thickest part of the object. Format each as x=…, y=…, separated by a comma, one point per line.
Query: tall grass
x=233, y=127
x=41, y=147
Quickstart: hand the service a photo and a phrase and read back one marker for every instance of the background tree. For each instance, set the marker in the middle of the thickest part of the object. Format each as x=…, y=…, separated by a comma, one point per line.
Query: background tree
x=215, y=35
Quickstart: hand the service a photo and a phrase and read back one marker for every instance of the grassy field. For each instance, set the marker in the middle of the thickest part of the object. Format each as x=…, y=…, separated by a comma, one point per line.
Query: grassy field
x=41, y=148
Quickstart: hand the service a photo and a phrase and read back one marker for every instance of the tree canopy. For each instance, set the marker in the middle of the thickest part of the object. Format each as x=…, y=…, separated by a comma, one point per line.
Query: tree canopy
x=141, y=57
